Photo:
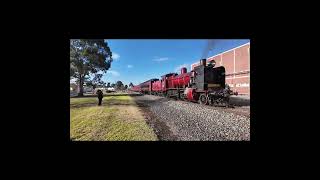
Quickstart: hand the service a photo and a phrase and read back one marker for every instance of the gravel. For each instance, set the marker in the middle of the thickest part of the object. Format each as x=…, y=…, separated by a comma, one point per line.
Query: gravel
x=187, y=121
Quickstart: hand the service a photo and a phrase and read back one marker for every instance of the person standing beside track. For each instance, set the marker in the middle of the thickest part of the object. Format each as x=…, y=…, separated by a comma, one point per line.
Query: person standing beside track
x=100, y=96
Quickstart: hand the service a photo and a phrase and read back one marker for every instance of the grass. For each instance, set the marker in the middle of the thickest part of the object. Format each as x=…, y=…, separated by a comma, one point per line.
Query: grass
x=118, y=119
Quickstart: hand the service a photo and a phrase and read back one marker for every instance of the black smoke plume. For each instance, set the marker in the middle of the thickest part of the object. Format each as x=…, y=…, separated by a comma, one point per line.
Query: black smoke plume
x=209, y=46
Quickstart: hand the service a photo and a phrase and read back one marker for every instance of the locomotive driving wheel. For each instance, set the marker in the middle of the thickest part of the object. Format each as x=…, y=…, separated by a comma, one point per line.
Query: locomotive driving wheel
x=203, y=99
x=210, y=100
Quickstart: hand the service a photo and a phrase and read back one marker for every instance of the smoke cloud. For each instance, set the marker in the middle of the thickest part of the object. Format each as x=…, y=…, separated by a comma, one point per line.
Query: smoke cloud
x=209, y=46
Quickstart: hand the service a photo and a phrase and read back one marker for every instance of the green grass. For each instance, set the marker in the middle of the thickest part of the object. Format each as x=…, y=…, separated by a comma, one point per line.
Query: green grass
x=118, y=119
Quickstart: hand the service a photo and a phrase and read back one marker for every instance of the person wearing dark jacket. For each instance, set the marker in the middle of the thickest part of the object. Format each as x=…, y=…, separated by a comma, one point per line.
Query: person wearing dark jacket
x=100, y=96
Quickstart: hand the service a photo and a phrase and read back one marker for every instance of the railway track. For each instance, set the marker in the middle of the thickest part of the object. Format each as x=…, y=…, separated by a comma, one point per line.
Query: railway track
x=235, y=108
x=238, y=110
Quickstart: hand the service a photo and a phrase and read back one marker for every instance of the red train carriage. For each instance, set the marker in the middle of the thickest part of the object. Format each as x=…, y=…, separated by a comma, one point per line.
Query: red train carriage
x=136, y=88
x=146, y=87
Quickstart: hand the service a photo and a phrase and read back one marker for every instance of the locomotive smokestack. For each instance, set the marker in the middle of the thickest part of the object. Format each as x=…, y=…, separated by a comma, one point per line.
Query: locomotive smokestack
x=183, y=70
x=203, y=62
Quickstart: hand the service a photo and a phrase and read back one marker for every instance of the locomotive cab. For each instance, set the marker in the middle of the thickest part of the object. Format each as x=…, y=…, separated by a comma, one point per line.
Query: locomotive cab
x=209, y=77
x=209, y=82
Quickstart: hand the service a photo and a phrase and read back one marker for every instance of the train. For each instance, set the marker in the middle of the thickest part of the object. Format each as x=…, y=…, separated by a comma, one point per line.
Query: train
x=205, y=84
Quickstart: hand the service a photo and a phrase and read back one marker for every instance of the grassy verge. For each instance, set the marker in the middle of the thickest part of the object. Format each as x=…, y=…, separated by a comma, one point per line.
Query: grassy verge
x=118, y=119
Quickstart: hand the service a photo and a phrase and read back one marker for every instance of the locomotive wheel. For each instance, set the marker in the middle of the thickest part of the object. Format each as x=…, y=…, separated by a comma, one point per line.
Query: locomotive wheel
x=203, y=99
x=210, y=101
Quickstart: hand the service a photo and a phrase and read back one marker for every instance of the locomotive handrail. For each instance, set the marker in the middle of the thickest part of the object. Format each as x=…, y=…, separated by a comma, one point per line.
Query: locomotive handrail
x=238, y=73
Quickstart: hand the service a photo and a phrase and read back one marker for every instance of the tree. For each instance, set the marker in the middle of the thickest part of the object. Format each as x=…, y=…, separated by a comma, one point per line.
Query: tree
x=95, y=82
x=119, y=85
x=130, y=85
x=113, y=85
x=108, y=85
x=89, y=83
x=72, y=71
x=125, y=87
x=88, y=56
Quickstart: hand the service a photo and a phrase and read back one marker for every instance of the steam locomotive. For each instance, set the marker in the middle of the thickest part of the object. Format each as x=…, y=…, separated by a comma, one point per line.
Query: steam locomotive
x=205, y=84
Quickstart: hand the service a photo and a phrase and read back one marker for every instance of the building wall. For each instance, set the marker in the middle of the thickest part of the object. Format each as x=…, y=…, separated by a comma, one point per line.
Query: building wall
x=237, y=64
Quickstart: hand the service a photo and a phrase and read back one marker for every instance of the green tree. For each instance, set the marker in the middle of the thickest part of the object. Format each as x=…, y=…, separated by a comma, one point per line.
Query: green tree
x=88, y=82
x=96, y=81
x=119, y=85
x=130, y=85
x=88, y=56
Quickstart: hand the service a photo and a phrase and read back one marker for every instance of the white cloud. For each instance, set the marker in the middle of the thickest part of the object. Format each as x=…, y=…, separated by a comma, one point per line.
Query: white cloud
x=178, y=68
x=113, y=73
x=161, y=59
x=130, y=66
x=115, y=56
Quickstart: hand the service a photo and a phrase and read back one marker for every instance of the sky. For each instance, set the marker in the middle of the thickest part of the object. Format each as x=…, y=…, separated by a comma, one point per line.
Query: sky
x=137, y=60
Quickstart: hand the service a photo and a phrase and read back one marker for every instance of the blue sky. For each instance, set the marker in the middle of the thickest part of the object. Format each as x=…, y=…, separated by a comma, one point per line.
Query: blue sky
x=139, y=60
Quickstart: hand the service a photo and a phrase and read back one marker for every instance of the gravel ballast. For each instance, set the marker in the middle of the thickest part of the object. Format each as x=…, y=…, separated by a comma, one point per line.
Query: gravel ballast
x=187, y=121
